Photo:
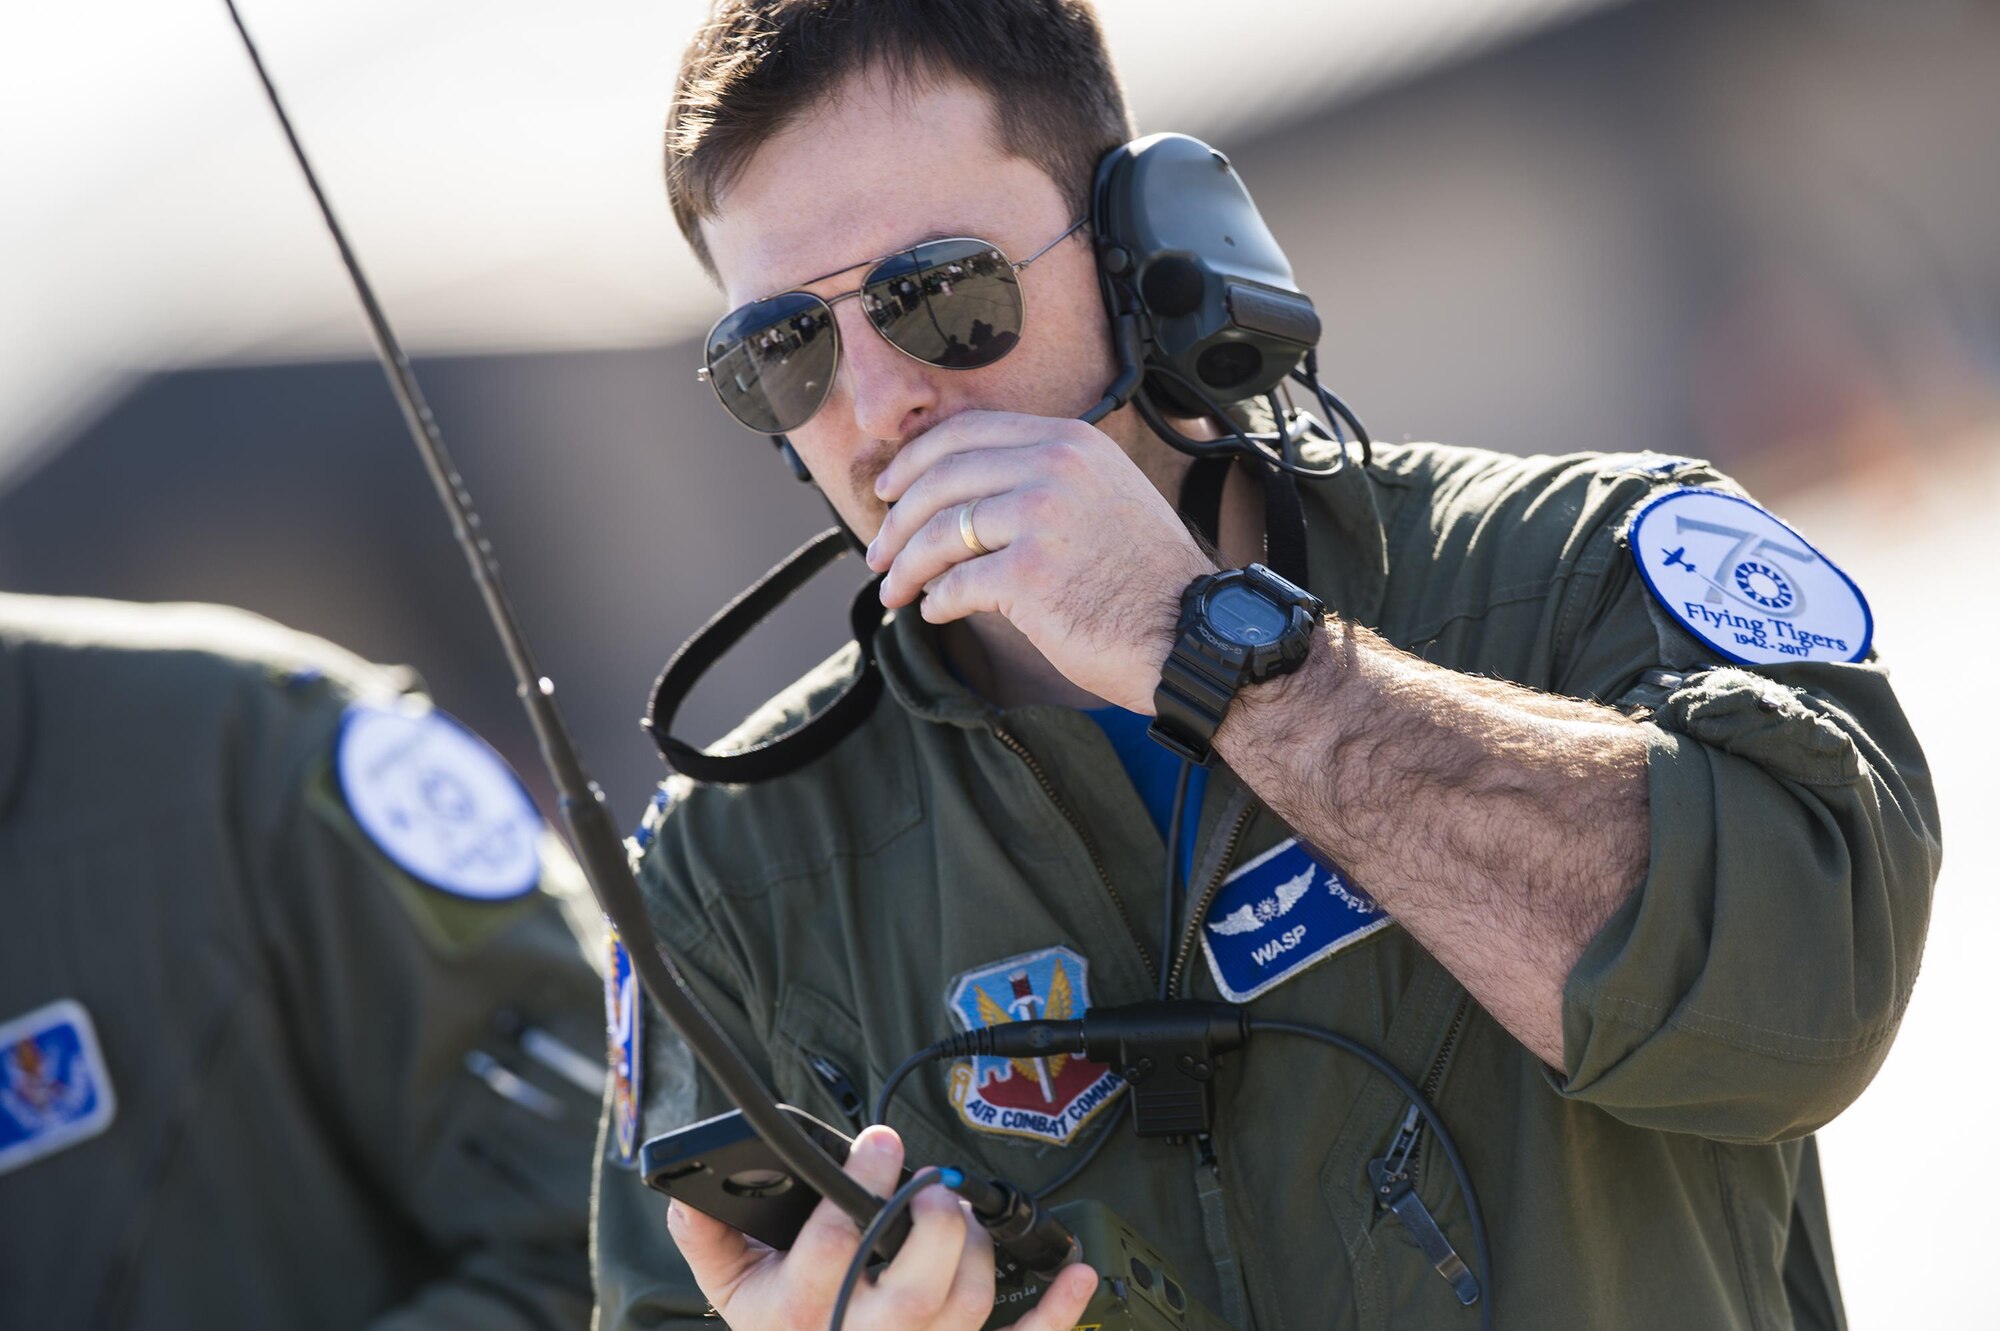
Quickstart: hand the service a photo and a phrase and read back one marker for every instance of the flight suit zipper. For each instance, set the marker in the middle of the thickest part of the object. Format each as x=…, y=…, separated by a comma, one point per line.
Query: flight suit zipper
x=1434, y=1078
x=1192, y=933
x=1394, y=1175
x=1208, y=1169
x=1020, y=750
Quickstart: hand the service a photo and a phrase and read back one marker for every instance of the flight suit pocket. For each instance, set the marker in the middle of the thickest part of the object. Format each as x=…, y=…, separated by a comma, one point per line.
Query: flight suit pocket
x=820, y=1064
x=1421, y=1225
x=1392, y=1277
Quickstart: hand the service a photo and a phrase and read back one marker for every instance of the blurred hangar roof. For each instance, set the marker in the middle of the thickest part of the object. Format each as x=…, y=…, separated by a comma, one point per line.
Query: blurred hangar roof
x=496, y=165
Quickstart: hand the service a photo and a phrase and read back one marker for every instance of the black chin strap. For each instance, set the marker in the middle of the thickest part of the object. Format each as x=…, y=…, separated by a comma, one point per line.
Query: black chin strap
x=810, y=738
x=1201, y=497
x=1284, y=526
x=1200, y=503
x=1284, y=511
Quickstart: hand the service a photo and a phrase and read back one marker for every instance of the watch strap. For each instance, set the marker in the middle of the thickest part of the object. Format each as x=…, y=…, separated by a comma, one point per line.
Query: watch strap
x=1188, y=708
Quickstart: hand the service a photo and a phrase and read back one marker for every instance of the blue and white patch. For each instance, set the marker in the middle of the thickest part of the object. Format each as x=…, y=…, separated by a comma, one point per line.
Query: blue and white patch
x=54, y=1088
x=649, y=824
x=622, y=1017
x=1279, y=914
x=440, y=803
x=1746, y=584
x=1043, y=1099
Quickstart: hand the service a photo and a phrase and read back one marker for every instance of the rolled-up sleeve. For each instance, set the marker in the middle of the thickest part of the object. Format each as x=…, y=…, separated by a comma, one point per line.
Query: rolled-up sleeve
x=1750, y=986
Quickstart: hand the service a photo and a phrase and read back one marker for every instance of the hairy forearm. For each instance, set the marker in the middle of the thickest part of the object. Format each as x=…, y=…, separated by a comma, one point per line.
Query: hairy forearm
x=1499, y=826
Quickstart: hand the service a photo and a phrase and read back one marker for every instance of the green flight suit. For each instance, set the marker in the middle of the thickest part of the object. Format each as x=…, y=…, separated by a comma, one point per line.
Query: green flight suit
x=1741, y=998
x=326, y=1111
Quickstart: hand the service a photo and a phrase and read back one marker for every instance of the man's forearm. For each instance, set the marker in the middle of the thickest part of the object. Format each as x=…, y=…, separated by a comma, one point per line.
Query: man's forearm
x=1499, y=826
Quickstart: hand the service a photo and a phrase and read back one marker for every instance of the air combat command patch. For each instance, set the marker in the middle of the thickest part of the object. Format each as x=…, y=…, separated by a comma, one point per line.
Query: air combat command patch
x=1044, y=1099
x=54, y=1088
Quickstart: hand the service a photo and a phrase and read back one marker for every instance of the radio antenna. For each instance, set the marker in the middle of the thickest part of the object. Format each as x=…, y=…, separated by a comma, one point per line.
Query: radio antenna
x=584, y=813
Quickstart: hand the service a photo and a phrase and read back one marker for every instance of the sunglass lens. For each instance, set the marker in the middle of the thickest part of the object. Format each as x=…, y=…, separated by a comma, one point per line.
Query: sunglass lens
x=772, y=361
x=951, y=303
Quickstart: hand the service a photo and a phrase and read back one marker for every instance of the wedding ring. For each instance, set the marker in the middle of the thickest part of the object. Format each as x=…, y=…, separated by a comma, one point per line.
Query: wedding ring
x=967, y=533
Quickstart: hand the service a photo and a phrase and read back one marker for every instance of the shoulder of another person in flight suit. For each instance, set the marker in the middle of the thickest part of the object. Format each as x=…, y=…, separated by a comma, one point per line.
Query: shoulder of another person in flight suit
x=409, y=885
x=389, y=881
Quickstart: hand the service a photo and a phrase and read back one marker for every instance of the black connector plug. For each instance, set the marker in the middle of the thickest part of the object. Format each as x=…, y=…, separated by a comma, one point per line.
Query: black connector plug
x=1165, y=1049
x=1019, y=1226
x=1013, y=1039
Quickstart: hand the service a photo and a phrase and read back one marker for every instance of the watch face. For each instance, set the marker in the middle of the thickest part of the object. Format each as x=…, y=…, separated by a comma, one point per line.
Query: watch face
x=1244, y=617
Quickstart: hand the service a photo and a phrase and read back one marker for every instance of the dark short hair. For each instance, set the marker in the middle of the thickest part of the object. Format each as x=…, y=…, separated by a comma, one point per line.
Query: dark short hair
x=756, y=65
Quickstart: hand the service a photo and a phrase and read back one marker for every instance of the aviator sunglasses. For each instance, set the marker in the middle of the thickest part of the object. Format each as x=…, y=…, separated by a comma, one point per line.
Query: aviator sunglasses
x=953, y=303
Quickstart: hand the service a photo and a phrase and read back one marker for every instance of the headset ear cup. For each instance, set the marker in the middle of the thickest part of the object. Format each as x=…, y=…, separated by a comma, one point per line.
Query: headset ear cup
x=792, y=459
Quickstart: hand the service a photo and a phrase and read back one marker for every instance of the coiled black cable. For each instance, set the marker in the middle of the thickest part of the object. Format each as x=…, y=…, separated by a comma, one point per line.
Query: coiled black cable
x=929, y=1053
x=962, y=1044
x=1308, y=374
x=899, y=1202
x=1482, y=1246
x=946, y=1048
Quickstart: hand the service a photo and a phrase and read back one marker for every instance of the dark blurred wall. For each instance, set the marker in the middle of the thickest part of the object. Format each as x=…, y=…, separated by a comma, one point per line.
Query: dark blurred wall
x=622, y=511
x=1755, y=232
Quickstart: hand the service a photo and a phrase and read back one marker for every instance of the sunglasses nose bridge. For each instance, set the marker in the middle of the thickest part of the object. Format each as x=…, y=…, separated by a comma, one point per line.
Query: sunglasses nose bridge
x=884, y=387
x=851, y=324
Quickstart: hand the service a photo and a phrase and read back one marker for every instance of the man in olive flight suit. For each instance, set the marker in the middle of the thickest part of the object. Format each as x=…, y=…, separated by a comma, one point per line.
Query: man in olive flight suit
x=1589, y=804
x=290, y=1016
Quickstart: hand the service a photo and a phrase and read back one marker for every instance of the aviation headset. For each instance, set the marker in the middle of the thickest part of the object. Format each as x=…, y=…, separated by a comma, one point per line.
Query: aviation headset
x=1205, y=318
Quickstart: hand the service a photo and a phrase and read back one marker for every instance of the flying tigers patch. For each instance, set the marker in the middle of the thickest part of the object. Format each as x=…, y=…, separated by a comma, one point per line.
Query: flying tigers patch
x=1279, y=914
x=1744, y=583
x=1044, y=1099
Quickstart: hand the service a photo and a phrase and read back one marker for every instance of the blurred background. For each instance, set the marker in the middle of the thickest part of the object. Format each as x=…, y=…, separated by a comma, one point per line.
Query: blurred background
x=1761, y=233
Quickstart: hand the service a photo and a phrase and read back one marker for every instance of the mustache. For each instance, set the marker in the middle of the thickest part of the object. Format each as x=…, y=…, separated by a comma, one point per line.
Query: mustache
x=867, y=466
x=871, y=462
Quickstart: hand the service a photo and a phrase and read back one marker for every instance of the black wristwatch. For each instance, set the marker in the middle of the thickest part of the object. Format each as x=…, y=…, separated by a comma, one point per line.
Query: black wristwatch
x=1238, y=627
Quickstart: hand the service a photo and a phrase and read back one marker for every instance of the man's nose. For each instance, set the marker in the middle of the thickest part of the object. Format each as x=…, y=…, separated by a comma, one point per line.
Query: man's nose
x=890, y=394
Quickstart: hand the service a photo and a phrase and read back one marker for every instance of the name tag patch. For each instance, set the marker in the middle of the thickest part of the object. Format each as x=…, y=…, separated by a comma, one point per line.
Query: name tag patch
x=439, y=802
x=1046, y=1099
x=54, y=1088
x=622, y=1018
x=1744, y=583
x=1279, y=914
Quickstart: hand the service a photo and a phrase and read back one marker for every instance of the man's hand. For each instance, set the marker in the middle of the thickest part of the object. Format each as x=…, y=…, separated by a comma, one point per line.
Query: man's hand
x=941, y=1280
x=1088, y=559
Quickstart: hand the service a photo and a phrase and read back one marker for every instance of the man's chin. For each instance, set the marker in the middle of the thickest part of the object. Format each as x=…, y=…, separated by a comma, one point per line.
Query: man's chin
x=864, y=514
